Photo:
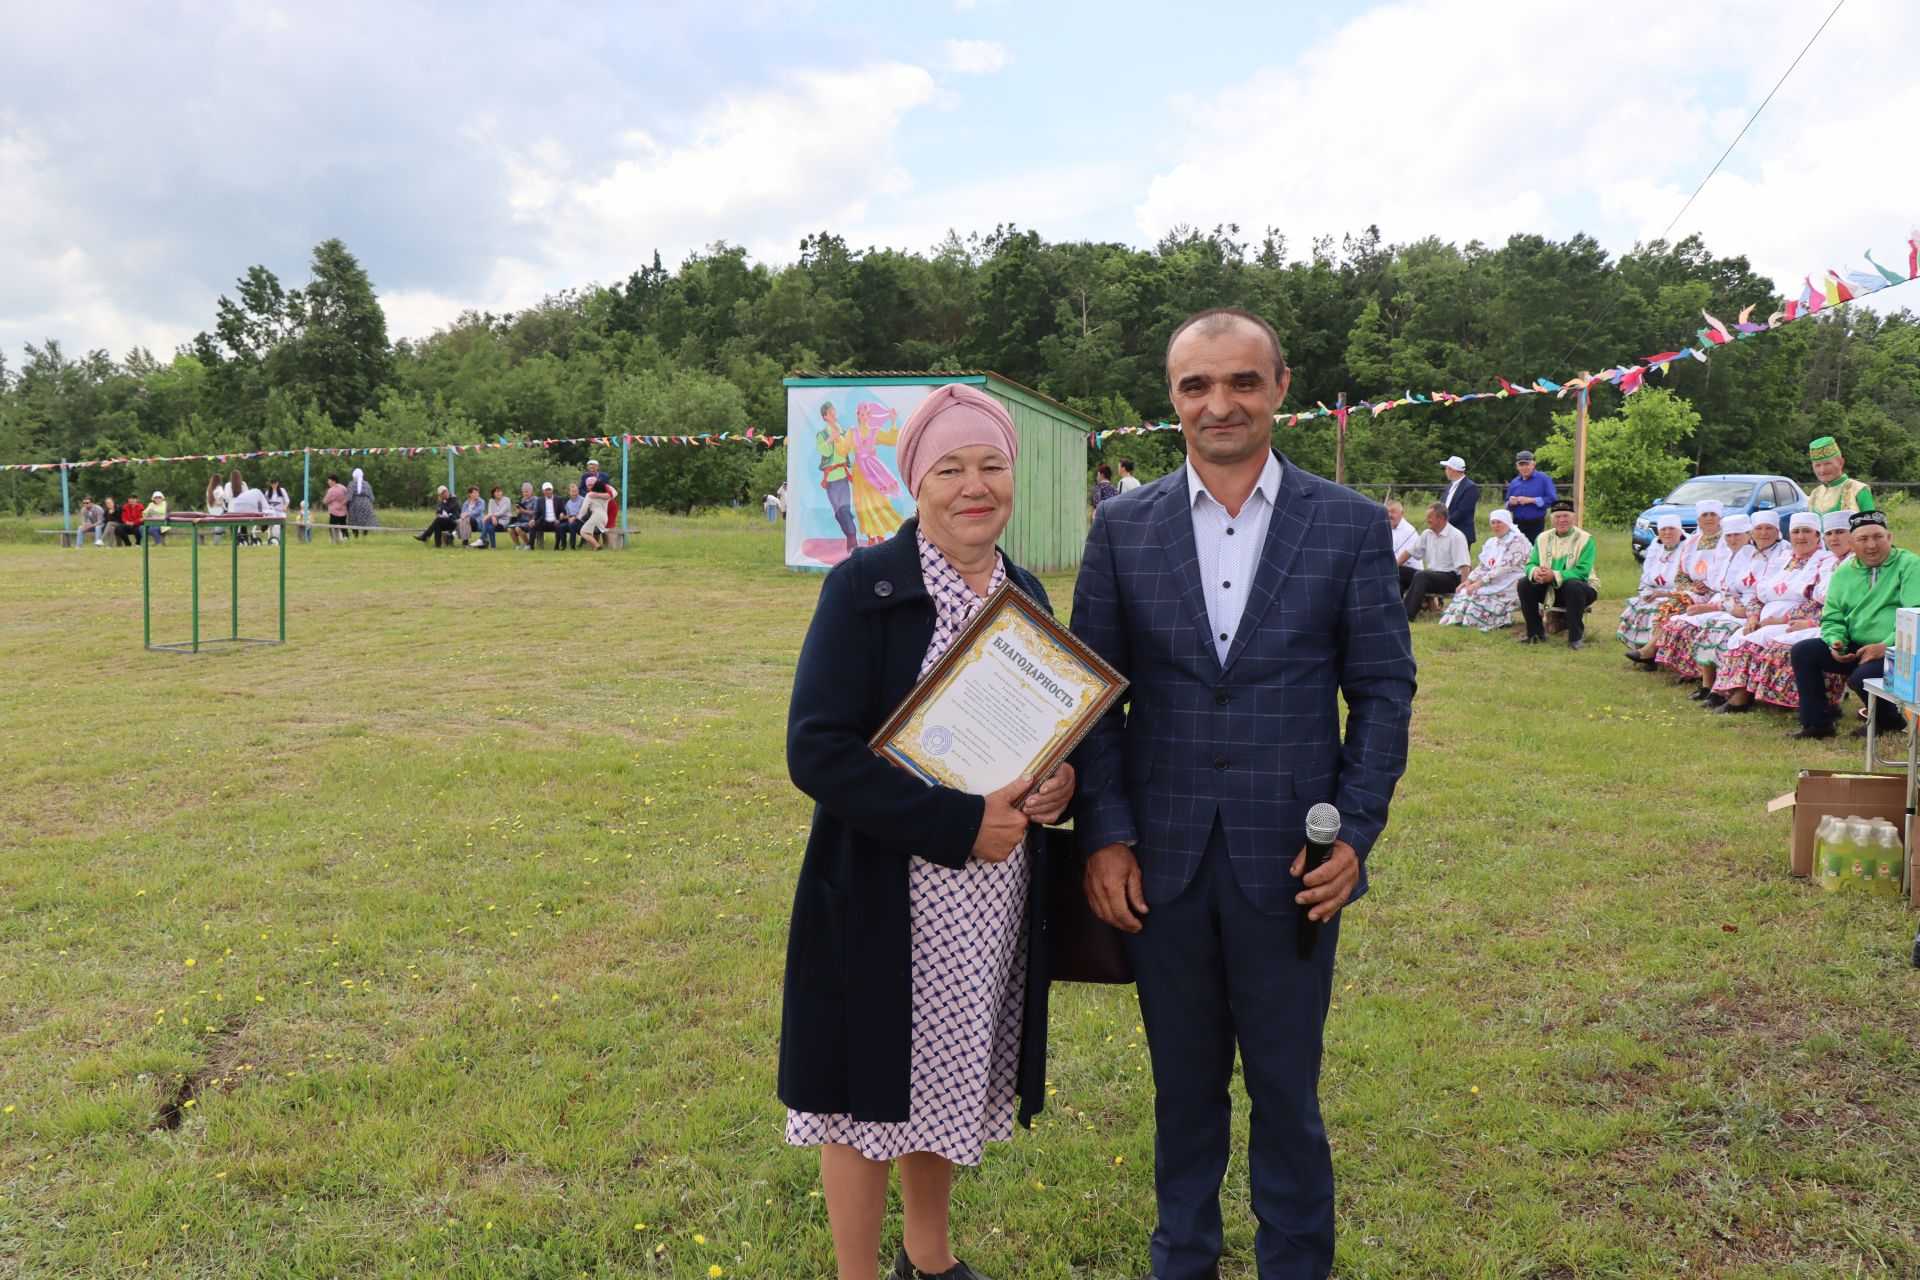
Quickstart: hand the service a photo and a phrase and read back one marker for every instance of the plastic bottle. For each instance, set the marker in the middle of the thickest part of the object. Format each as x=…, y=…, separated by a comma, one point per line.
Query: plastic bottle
x=1887, y=858
x=1859, y=853
x=1828, y=854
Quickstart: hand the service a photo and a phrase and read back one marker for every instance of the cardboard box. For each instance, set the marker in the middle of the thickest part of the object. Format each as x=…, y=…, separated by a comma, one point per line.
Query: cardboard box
x=1824, y=792
x=1903, y=661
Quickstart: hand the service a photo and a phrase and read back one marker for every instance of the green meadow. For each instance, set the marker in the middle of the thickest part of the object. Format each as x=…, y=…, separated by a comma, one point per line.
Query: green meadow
x=447, y=939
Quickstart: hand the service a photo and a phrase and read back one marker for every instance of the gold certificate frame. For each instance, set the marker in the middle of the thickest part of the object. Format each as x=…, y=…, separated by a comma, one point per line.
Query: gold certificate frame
x=1013, y=694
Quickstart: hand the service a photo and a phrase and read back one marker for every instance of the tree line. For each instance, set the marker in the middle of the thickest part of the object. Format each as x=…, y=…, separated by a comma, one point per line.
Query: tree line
x=703, y=347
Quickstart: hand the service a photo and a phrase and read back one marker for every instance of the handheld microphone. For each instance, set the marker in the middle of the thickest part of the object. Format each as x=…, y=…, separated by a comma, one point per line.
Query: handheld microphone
x=1323, y=828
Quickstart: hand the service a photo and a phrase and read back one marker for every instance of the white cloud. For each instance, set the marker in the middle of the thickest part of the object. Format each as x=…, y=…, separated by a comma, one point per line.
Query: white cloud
x=974, y=57
x=1480, y=118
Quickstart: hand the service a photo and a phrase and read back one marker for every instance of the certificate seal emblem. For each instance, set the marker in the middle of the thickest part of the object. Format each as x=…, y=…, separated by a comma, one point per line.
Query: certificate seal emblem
x=938, y=740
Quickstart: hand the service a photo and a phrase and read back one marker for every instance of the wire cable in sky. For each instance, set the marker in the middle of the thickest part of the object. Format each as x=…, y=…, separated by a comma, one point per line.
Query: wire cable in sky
x=1560, y=364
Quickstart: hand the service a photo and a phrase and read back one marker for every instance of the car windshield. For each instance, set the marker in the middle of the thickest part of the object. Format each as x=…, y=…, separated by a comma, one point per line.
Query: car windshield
x=1733, y=493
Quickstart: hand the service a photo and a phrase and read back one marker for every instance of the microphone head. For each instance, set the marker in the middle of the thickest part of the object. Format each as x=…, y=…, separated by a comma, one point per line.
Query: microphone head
x=1323, y=824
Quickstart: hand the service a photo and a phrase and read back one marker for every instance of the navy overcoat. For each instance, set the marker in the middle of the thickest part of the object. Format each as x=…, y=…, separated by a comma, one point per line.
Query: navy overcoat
x=846, y=1019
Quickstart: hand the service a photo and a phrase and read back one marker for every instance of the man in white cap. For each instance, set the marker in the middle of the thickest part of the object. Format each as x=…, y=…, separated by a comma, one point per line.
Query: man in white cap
x=591, y=474
x=548, y=514
x=1462, y=497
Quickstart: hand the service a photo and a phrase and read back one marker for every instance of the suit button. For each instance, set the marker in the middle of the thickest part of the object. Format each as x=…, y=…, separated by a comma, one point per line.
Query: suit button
x=1221, y=697
x=1219, y=762
x=883, y=588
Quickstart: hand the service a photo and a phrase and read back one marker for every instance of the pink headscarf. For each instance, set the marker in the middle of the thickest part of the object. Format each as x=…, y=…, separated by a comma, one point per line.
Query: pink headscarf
x=952, y=417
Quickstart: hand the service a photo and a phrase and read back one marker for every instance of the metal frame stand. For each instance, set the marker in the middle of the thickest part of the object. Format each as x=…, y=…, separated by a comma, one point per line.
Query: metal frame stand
x=1877, y=691
x=233, y=639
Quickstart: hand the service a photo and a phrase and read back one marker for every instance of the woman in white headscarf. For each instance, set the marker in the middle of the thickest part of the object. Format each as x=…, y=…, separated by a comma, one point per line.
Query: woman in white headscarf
x=1758, y=666
x=1693, y=639
x=1659, y=576
x=360, y=515
x=1488, y=595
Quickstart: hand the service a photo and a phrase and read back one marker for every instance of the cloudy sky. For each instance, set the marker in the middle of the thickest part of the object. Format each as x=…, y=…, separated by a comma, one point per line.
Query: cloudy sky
x=480, y=155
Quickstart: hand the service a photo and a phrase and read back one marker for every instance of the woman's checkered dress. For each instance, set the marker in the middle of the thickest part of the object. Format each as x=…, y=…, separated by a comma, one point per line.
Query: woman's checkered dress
x=969, y=973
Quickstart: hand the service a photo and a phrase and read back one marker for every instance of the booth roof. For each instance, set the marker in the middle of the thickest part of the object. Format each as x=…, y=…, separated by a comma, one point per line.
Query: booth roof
x=855, y=375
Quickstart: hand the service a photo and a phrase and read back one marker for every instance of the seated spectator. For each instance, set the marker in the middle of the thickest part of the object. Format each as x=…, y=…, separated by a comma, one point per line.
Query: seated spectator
x=92, y=522
x=446, y=518
x=1561, y=565
x=599, y=499
x=335, y=501
x=109, y=522
x=592, y=473
x=1789, y=607
x=1487, y=596
x=1659, y=579
x=524, y=515
x=132, y=516
x=217, y=497
x=153, y=518
x=1732, y=577
x=1103, y=486
x=1856, y=626
x=278, y=501
x=549, y=513
x=244, y=500
x=473, y=513
x=1444, y=555
x=499, y=516
x=568, y=533
x=1406, y=541
x=1695, y=645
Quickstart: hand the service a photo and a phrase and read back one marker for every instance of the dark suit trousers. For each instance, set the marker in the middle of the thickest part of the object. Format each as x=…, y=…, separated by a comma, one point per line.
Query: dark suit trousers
x=1417, y=584
x=1811, y=663
x=1213, y=971
x=1574, y=595
x=1532, y=528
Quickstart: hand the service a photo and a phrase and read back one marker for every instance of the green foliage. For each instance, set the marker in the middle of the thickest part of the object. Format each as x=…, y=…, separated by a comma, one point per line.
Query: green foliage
x=686, y=402
x=1085, y=323
x=1633, y=460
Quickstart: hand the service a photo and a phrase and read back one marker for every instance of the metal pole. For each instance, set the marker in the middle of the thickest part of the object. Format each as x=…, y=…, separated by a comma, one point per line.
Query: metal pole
x=195, y=530
x=146, y=590
x=450, y=452
x=283, y=584
x=626, y=442
x=306, y=486
x=1580, y=461
x=1340, y=439
x=66, y=511
x=235, y=540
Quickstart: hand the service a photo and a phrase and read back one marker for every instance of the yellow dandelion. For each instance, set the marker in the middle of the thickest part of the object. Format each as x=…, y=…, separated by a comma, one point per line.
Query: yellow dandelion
x=698, y=1238
x=189, y=962
x=1119, y=1159
x=6, y=1110
x=1474, y=1089
x=715, y=1271
x=639, y=1226
x=489, y=1226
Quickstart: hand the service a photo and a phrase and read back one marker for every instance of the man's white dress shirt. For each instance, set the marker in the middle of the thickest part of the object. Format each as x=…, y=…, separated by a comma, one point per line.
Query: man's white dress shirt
x=1229, y=547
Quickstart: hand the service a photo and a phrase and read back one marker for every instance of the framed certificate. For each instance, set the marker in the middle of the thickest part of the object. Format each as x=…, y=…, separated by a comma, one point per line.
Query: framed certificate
x=1011, y=696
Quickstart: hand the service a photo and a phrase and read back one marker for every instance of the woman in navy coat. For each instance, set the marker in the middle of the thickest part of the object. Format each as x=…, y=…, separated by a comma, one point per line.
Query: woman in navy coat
x=915, y=1003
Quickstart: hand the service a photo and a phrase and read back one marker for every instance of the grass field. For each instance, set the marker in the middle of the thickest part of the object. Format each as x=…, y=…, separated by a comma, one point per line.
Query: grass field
x=447, y=941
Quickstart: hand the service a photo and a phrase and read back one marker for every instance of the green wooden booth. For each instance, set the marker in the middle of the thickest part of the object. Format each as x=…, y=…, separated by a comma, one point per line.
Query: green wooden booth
x=1050, y=504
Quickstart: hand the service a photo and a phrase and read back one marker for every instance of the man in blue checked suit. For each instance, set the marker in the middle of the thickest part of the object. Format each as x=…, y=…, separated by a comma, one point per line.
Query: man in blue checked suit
x=1244, y=598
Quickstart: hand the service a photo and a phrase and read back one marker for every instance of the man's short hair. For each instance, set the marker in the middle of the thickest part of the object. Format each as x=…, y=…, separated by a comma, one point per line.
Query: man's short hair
x=1126, y=465
x=1441, y=507
x=1215, y=320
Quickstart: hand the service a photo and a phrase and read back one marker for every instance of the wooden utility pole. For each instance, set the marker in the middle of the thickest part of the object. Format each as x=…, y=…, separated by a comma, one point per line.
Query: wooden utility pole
x=1340, y=439
x=1580, y=461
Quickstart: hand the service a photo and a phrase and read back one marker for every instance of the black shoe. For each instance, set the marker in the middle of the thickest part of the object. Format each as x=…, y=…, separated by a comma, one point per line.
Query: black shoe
x=1700, y=695
x=1812, y=731
x=905, y=1270
x=1576, y=644
x=1733, y=708
x=1531, y=640
x=1715, y=701
x=419, y=537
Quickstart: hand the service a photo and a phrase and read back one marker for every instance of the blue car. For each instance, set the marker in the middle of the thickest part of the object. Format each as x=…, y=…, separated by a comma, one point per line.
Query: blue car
x=1777, y=496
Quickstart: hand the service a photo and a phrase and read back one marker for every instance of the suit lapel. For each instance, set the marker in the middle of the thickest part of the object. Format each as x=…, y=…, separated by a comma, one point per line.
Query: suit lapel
x=1174, y=521
x=1286, y=535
